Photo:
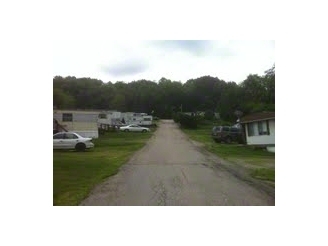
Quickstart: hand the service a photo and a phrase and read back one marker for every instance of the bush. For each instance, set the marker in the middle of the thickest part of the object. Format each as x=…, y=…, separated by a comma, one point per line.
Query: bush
x=224, y=123
x=209, y=115
x=101, y=131
x=188, y=121
x=176, y=117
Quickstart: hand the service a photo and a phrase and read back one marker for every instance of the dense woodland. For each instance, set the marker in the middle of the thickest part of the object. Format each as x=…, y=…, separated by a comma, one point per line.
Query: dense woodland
x=163, y=98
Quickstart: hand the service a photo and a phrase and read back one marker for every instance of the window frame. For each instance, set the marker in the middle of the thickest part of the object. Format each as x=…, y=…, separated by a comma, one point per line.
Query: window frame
x=67, y=117
x=250, y=129
x=261, y=125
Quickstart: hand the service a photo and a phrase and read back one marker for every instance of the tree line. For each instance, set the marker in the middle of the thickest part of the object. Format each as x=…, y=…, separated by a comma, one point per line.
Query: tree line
x=165, y=97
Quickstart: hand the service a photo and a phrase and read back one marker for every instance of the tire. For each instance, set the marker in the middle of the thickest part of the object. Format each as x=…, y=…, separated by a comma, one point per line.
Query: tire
x=126, y=130
x=80, y=147
x=143, y=130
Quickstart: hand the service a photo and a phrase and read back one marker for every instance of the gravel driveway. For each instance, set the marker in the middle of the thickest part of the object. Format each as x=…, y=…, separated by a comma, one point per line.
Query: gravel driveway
x=171, y=170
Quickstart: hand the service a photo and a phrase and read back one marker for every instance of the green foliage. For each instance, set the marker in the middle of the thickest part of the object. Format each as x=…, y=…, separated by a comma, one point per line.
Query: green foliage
x=253, y=107
x=165, y=98
x=62, y=99
x=225, y=123
x=176, y=117
x=187, y=121
x=209, y=115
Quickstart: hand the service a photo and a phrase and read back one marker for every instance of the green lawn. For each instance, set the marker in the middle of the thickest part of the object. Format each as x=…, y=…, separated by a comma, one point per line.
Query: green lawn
x=76, y=173
x=259, y=163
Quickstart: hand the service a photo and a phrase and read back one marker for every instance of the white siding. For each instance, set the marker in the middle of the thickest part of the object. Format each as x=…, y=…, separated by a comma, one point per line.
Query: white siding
x=85, y=117
x=84, y=123
x=261, y=139
x=112, y=118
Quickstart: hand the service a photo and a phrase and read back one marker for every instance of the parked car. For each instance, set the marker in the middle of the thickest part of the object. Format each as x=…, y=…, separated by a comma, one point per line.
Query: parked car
x=227, y=134
x=134, y=128
x=71, y=140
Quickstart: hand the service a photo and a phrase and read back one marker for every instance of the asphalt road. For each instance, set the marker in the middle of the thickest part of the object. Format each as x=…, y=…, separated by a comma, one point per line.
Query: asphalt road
x=171, y=170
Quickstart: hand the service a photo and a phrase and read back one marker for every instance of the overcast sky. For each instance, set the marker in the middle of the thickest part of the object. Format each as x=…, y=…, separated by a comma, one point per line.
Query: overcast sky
x=177, y=60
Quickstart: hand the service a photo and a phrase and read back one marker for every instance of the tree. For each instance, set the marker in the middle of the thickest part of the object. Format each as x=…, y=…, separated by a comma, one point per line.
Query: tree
x=62, y=100
x=238, y=114
x=209, y=94
x=269, y=82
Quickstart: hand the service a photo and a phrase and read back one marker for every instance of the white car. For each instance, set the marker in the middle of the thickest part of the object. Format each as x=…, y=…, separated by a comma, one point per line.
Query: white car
x=134, y=128
x=71, y=140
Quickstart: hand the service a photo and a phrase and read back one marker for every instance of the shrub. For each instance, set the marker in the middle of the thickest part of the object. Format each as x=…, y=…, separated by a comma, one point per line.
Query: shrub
x=188, y=121
x=101, y=131
x=209, y=115
x=176, y=117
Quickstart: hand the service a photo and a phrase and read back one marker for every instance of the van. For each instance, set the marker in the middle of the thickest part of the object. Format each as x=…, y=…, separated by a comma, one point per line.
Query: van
x=227, y=134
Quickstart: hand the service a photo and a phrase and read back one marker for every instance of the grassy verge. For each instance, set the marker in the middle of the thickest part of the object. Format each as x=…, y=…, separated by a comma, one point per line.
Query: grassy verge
x=259, y=163
x=76, y=173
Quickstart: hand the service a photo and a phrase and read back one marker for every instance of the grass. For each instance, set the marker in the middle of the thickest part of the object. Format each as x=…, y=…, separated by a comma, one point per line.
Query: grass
x=76, y=173
x=259, y=163
x=264, y=173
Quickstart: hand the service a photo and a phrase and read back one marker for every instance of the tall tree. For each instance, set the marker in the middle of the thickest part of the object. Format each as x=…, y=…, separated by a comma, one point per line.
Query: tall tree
x=255, y=93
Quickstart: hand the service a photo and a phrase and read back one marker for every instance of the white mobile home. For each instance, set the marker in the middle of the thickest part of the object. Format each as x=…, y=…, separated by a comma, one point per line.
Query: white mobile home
x=137, y=118
x=114, y=118
x=110, y=118
x=79, y=121
x=260, y=129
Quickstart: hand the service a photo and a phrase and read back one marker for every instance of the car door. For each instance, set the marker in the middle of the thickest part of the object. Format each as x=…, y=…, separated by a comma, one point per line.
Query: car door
x=134, y=128
x=58, y=141
x=137, y=128
x=70, y=140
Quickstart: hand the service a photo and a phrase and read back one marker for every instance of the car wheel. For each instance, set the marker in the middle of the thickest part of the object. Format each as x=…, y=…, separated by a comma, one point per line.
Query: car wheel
x=80, y=147
x=228, y=140
x=126, y=130
x=143, y=130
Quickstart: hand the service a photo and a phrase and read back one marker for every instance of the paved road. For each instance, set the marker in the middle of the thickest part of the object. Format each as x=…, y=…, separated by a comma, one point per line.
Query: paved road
x=171, y=170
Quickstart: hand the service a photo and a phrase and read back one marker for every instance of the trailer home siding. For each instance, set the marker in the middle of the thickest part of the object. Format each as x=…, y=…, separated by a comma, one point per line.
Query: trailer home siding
x=81, y=122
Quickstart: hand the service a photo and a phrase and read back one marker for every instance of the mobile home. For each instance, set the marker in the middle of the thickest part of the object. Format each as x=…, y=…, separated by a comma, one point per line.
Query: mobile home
x=137, y=118
x=260, y=129
x=110, y=118
x=79, y=121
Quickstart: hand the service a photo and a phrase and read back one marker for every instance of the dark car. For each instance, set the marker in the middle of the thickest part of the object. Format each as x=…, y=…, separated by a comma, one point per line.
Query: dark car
x=227, y=134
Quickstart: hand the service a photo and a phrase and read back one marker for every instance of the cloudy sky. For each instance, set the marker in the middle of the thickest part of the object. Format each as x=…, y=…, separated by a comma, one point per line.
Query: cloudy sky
x=177, y=60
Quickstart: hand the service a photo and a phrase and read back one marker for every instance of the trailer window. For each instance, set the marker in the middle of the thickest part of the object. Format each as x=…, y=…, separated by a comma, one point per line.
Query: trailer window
x=147, y=119
x=67, y=117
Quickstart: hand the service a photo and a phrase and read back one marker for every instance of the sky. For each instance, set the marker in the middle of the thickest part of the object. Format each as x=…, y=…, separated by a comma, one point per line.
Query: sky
x=178, y=60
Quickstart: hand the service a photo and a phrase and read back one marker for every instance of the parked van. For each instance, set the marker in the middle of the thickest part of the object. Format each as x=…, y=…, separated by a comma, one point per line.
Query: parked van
x=227, y=134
